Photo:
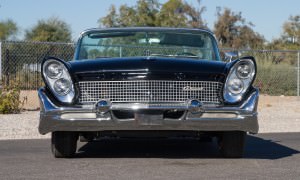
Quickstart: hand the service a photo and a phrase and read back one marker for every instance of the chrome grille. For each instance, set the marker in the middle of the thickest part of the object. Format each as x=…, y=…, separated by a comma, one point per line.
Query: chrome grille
x=149, y=91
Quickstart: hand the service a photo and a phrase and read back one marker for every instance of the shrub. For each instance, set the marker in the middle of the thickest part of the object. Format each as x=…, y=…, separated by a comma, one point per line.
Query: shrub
x=10, y=99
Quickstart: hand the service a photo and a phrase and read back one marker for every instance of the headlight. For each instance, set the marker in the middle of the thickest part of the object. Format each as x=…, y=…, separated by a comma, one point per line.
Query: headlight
x=245, y=69
x=53, y=70
x=62, y=86
x=58, y=79
x=235, y=86
x=239, y=79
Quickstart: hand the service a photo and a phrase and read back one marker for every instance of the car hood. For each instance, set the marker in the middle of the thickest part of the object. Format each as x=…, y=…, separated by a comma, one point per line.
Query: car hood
x=143, y=68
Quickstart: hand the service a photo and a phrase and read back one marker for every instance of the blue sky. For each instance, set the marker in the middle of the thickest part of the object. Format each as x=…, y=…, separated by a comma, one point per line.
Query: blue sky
x=267, y=15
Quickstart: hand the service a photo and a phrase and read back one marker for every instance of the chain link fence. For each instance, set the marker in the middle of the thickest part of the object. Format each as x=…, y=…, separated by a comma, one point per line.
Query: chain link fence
x=278, y=71
x=21, y=61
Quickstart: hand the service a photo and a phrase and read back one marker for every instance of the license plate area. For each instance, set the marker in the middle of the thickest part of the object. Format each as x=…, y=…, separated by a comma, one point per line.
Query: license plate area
x=149, y=117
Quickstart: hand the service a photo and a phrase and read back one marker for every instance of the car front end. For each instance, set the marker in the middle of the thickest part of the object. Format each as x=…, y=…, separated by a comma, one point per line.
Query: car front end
x=170, y=80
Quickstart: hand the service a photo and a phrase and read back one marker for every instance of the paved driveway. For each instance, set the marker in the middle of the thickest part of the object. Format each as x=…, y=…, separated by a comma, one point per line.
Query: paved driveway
x=268, y=156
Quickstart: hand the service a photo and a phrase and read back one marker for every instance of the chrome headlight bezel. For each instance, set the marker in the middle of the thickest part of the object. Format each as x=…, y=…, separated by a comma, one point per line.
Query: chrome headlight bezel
x=245, y=65
x=67, y=94
x=246, y=80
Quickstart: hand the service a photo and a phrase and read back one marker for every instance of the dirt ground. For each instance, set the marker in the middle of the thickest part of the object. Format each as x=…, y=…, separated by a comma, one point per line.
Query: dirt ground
x=279, y=113
x=30, y=100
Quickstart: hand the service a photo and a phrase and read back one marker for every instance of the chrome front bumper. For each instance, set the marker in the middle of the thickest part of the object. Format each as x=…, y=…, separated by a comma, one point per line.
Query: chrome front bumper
x=87, y=118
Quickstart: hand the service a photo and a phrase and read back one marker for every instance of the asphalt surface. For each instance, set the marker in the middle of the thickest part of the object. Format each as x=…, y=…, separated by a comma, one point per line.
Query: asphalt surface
x=268, y=156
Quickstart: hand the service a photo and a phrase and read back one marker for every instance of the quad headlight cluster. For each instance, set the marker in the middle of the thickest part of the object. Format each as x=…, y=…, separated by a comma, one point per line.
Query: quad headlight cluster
x=58, y=80
x=239, y=79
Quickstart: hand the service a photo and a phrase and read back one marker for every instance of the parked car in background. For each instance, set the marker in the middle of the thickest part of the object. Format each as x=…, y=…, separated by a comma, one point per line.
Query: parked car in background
x=156, y=82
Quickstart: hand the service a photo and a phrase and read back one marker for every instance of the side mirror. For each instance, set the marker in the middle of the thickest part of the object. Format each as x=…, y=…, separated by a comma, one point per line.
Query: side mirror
x=229, y=56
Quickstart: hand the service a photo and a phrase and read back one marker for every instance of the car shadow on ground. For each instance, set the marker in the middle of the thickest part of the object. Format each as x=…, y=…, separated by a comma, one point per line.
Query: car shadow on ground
x=256, y=148
x=259, y=148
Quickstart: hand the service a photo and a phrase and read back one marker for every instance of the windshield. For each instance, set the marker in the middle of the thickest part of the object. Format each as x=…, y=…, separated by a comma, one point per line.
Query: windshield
x=171, y=44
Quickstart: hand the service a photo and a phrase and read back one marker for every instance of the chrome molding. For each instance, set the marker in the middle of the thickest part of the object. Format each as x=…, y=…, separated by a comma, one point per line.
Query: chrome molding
x=209, y=118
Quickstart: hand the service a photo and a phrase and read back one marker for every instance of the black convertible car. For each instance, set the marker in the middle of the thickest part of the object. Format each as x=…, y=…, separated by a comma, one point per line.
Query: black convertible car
x=156, y=82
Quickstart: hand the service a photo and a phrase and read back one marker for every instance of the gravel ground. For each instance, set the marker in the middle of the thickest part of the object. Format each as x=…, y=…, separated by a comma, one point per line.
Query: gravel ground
x=20, y=126
x=279, y=114
x=276, y=114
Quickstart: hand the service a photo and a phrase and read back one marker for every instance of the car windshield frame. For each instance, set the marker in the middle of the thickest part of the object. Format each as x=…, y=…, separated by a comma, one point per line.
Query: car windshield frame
x=197, y=44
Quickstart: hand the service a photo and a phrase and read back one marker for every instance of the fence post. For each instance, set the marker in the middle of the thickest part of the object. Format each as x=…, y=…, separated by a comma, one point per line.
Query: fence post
x=298, y=75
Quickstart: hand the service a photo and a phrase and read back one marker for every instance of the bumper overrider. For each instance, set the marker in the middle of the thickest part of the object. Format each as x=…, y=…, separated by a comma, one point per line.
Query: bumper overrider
x=100, y=117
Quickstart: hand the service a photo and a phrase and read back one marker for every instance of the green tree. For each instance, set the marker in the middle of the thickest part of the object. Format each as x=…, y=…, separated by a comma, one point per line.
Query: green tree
x=195, y=15
x=232, y=31
x=50, y=30
x=142, y=14
x=178, y=13
x=290, y=38
x=8, y=29
x=173, y=13
x=291, y=29
x=110, y=20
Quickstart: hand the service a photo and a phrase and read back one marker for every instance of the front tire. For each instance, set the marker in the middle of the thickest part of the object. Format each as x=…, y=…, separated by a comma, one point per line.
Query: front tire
x=232, y=144
x=63, y=144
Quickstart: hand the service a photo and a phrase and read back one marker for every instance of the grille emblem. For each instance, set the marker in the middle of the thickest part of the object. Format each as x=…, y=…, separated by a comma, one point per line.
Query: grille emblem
x=190, y=88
